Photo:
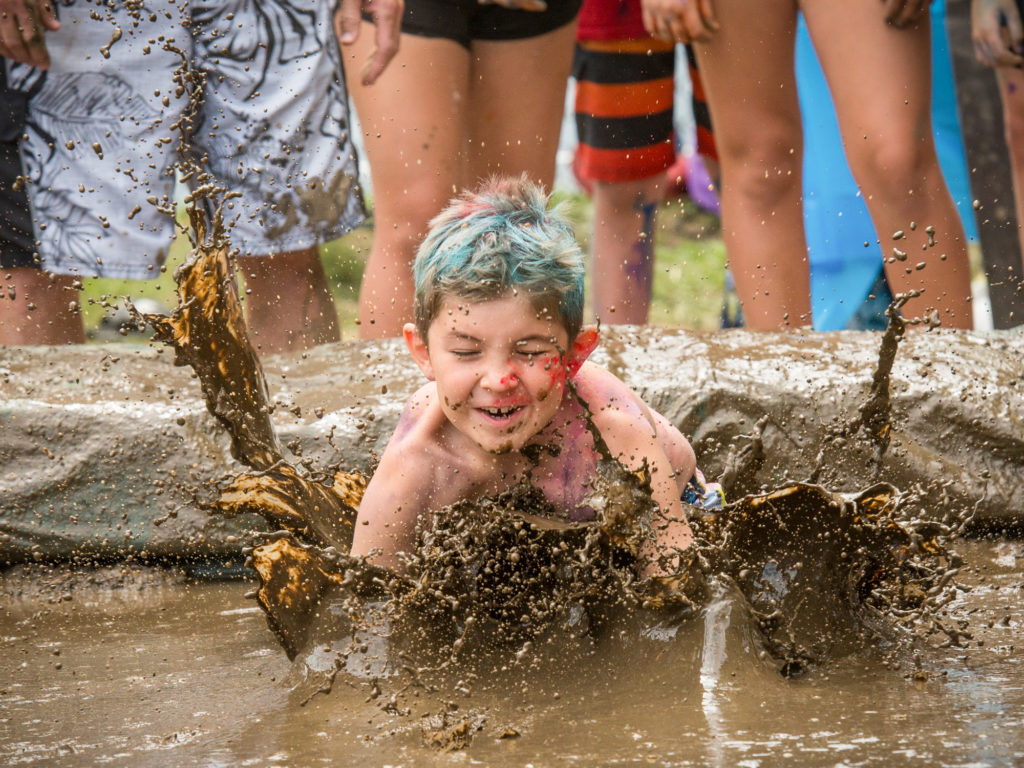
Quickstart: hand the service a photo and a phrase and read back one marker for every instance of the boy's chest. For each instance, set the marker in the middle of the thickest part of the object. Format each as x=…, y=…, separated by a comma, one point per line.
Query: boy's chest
x=565, y=482
x=563, y=477
x=561, y=465
x=563, y=473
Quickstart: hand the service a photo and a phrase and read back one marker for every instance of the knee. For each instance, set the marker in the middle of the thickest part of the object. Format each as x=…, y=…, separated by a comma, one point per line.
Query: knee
x=401, y=217
x=764, y=178
x=898, y=165
x=761, y=162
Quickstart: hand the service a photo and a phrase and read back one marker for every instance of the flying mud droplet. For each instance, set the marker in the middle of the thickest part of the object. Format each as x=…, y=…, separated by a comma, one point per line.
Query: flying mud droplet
x=114, y=37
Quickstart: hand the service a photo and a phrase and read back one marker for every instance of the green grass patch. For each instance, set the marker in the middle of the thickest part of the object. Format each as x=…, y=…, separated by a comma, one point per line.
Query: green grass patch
x=689, y=266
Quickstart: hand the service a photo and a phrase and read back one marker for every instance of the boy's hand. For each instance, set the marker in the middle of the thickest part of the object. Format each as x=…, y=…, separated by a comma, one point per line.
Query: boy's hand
x=679, y=21
x=997, y=32
x=23, y=26
x=902, y=13
x=387, y=19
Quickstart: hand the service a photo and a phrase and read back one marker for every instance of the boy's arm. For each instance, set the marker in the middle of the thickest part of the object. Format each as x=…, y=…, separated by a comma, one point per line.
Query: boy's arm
x=678, y=450
x=391, y=505
x=633, y=442
x=397, y=494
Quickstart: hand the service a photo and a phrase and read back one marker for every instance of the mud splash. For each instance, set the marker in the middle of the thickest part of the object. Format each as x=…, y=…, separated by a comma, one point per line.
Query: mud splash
x=496, y=584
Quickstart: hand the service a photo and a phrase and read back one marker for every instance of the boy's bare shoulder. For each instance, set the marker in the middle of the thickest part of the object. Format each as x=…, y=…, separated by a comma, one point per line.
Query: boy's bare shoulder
x=423, y=437
x=406, y=477
x=425, y=466
x=607, y=396
x=421, y=418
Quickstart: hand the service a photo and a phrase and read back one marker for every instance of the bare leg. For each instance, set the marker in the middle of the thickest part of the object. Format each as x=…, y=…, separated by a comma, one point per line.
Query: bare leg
x=749, y=79
x=44, y=308
x=884, y=109
x=1011, y=87
x=414, y=132
x=517, y=89
x=289, y=305
x=623, y=249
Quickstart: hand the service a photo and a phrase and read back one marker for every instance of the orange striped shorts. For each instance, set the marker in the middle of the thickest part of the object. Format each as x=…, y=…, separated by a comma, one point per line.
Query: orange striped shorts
x=624, y=99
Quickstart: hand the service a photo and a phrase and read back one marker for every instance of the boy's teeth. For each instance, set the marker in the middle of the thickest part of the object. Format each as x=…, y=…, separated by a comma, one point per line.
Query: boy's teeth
x=500, y=411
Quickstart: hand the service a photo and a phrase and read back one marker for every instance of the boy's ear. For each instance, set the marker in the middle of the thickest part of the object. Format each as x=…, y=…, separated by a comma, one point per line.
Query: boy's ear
x=417, y=346
x=585, y=342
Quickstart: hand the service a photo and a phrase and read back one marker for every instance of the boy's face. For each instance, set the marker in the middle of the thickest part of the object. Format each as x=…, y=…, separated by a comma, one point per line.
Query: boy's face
x=500, y=367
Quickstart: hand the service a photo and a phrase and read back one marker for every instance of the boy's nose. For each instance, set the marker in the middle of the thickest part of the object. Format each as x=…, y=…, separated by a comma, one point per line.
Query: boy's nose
x=499, y=378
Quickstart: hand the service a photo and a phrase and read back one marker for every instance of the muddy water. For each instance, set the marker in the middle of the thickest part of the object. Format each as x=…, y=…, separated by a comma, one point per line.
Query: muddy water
x=169, y=672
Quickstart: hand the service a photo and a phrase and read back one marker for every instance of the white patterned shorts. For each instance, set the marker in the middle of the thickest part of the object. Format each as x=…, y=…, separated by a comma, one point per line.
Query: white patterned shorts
x=100, y=145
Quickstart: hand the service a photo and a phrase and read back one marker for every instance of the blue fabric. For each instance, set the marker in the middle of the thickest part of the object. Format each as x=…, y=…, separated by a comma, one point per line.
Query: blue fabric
x=700, y=493
x=836, y=220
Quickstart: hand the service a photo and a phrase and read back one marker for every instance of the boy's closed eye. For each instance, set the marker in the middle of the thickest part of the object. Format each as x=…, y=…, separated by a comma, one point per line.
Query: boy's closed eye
x=533, y=348
x=532, y=354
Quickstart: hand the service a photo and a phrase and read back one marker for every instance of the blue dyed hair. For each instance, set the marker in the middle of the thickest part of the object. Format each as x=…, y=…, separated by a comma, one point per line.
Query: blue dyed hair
x=501, y=238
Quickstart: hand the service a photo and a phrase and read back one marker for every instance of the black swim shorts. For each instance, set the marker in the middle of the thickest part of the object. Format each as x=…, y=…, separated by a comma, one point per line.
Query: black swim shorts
x=16, y=246
x=464, y=21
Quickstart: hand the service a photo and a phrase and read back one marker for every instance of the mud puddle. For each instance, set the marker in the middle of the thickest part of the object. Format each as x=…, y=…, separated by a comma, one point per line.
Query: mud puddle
x=188, y=674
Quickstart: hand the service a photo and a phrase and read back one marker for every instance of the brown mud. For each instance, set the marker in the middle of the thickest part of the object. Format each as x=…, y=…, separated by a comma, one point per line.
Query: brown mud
x=187, y=674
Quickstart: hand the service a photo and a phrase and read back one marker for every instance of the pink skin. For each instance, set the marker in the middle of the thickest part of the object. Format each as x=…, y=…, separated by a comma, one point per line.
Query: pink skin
x=500, y=384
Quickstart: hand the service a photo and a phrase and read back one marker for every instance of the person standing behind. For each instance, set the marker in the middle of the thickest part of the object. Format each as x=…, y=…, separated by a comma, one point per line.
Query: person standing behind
x=475, y=89
x=876, y=58
x=98, y=142
x=624, y=103
x=997, y=28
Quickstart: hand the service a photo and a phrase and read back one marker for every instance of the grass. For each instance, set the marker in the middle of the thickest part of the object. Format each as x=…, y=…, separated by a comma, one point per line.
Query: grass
x=689, y=266
x=688, y=281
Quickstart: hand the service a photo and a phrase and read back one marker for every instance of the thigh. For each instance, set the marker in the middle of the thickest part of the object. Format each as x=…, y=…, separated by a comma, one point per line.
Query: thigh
x=879, y=75
x=1011, y=91
x=413, y=122
x=275, y=121
x=747, y=71
x=517, y=101
x=699, y=104
x=624, y=99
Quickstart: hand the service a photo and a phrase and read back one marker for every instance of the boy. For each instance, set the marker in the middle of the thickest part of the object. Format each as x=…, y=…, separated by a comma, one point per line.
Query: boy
x=499, y=335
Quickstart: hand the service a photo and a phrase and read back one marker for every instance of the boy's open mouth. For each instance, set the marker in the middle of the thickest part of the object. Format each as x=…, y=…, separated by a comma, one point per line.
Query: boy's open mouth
x=501, y=413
